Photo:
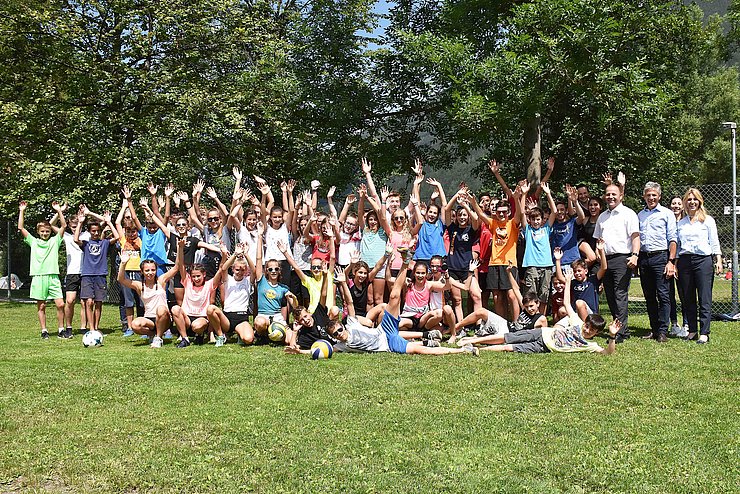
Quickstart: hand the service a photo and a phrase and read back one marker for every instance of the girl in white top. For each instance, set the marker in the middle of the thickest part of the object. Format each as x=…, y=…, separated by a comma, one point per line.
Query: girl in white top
x=236, y=293
x=153, y=293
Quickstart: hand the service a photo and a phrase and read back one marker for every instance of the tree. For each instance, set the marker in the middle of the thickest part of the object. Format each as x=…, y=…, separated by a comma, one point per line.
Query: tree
x=609, y=82
x=95, y=94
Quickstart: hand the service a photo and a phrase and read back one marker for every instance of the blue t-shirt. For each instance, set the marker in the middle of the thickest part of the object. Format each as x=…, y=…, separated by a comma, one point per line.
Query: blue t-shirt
x=586, y=290
x=153, y=246
x=564, y=235
x=431, y=240
x=269, y=297
x=537, y=252
x=95, y=257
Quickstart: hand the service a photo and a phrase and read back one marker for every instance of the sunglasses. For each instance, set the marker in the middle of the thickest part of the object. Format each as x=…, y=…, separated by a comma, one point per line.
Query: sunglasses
x=315, y=268
x=182, y=224
x=401, y=218
x=435, y=268
x=213, y=219
x=273, y=270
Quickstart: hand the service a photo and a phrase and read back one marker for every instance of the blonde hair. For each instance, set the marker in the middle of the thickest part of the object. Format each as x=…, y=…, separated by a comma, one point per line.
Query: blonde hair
x=701, y=213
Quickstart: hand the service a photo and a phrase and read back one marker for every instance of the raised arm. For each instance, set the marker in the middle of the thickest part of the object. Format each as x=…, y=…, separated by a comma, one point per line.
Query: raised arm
x=21, y=214
x=133, y=285
x=350, y=199
x=362, y=192
x=60, y=212
x=222, y=211
x=152, y=189
x=258, y=261
x=548, y=173
x=169, y=190
x=417, y=213
x=602, y=258
x=80, y=220
x=330, y=201
x=192, y=210
x=482, y=216
x=550, y=203
x=440, y=190
x=340, y=277
x=496, y=169
x=107, y=220
x=557, y=253
x=367, y=169
x=127, y=195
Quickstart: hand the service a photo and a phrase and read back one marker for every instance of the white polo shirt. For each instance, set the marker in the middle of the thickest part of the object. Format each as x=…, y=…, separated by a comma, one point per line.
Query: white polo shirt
x=616, y=227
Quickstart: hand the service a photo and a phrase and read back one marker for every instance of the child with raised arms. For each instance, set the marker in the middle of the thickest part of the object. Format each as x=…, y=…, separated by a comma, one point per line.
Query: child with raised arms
x=44, y=269
x=152, y=290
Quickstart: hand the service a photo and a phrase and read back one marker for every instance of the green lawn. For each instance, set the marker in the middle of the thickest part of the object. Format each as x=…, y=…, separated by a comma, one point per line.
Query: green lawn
x=125, y=418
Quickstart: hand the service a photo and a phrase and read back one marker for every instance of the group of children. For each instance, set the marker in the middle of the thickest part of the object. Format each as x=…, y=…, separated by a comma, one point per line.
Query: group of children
x=373, y=276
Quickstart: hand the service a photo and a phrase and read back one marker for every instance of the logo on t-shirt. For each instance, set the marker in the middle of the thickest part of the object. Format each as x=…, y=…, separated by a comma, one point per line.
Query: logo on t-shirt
x=270, y=294
x=94, y=249
x=502, y=235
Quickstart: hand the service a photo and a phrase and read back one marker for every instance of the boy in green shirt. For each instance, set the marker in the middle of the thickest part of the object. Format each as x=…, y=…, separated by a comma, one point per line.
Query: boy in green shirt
x=45, y=268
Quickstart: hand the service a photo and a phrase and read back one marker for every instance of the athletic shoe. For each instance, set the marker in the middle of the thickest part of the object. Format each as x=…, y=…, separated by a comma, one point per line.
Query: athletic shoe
x=183, y=343
x=64, y=335
x=239, y=341
x=435, y=334
x=703, y=339
x=431, y=343
x=482, y=331
x=168, y=335
x=199, y=339
x=44, y=335
x=128, y=333
x=157, y=342
x=472, y=350
x=143, y=337
x=220, y=340
x=68, y=333
x=679, y=331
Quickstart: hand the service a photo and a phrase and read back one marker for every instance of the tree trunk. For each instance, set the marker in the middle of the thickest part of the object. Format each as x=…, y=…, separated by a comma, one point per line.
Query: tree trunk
x=532, y=156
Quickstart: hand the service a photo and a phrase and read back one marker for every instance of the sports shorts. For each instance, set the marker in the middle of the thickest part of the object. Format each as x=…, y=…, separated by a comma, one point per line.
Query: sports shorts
x=93, y=287
x=46, y=287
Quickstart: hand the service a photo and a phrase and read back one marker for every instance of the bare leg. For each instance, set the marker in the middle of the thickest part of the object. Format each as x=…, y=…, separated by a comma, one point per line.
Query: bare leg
x=143, y=326
x=500, y=300
x=496, y=339
x=244, y=330
x=480, y=314
x=163, y=320
x=98, y=311
x=513, y=304
x=217, y=319
x=69, y=309
x=41, y=312
x=60, y=312
x=179, y=295
x=419, y=349
x=498, y=348
x=378, y=291
x=457, y=303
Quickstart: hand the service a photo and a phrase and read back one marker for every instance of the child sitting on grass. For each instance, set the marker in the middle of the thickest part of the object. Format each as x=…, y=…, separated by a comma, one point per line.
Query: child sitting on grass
x=45, y=284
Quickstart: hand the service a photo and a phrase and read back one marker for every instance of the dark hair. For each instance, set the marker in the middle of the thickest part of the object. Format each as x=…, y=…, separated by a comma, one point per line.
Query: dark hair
x=535, y=211
x=276, y=209
x=199, y=267
x=579, y=263
x=596, y=322
x=426, y=268
x=360, y=264
x=559, y=201
x=149, y=261
x=297, y=311
x=331, y=325
x=530, y=297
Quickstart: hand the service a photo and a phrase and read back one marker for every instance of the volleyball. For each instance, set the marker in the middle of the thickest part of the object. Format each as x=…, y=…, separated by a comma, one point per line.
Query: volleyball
x=276, y=332
x=321, y=349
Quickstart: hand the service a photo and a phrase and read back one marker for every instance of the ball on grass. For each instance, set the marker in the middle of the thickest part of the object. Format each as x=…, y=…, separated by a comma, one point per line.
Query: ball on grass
x=321, y=349
x=276, y=332
x=92, y=338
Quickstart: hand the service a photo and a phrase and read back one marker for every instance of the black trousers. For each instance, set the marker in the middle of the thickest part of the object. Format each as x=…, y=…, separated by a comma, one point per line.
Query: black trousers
x=695, y=279
x=616, y=286
x=656, y=288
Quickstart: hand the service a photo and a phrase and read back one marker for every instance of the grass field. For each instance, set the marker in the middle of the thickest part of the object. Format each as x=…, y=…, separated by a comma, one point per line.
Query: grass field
x=125, y=418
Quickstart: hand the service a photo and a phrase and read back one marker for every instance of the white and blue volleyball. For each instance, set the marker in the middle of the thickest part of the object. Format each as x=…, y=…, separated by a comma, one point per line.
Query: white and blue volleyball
x=321, y=349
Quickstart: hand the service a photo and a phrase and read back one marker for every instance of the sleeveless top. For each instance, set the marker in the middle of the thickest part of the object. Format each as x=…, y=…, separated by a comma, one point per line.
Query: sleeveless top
x=153, y=298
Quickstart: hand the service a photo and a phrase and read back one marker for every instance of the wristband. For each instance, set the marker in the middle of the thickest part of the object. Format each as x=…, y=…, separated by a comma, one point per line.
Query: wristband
x=672, y=261
x=634, y=254
x=610, y=337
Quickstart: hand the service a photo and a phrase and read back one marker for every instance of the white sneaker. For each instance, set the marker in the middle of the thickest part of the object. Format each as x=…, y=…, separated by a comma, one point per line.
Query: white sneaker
x=167, y=335
x=157, y=342
x=220, y=340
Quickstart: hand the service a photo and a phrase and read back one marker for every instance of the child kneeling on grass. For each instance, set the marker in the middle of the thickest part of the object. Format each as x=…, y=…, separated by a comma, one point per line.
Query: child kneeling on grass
x=45, y=268
x=569, y=335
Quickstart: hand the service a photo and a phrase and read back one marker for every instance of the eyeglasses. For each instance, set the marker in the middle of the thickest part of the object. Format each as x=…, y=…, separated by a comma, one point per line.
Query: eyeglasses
x=213, y=219
x=273, y=270
x=351, y=224
x=315, y=268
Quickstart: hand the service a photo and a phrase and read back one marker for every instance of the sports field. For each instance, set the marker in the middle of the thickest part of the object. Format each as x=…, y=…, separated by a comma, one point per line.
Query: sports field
x=128, y=419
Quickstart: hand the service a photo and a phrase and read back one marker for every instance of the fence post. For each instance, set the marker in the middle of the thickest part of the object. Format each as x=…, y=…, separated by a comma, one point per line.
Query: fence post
x=9, y=277
x=732, y=126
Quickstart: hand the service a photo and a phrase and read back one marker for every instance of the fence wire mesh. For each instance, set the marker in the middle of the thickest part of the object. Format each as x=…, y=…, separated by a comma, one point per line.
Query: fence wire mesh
x=717, y=197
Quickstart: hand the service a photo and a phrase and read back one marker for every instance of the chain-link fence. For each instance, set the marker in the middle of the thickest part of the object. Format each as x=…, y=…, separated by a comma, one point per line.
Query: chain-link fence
x=717, y=197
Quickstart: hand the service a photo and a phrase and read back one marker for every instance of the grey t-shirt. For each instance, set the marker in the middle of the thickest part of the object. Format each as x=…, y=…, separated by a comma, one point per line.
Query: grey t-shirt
x=362, y=339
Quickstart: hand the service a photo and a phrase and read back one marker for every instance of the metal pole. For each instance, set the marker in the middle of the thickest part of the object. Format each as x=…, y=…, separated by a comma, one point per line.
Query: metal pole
x=734, y=222
x=732, y=127
x=9, y=279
